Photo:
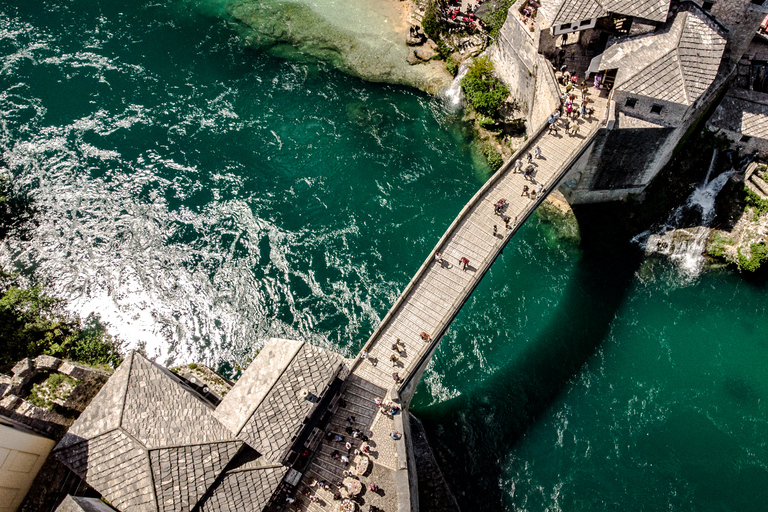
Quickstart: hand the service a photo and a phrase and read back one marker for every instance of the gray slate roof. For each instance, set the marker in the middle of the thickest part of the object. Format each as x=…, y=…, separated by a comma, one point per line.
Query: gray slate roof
x=80, y=504
x=247, y=484
x=744, y=112
x=145, y=443
x=266, y=407
x=559, y=12
x=677, y=64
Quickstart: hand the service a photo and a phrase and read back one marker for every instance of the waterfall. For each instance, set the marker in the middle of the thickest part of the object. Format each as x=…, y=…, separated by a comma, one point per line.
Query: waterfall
x=684, y=234
x=711, y=166
x=453, y=95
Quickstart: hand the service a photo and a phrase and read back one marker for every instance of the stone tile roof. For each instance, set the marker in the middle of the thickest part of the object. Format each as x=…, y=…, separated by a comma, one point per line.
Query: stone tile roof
x=677, y=64
x=80, y=504
x=744, y=112
x=559, y=12
x=247, y=484
x=145, y=443
x=276, y=397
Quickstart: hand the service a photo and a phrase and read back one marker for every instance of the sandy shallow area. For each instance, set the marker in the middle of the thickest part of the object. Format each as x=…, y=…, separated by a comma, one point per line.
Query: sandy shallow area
x=365, y=38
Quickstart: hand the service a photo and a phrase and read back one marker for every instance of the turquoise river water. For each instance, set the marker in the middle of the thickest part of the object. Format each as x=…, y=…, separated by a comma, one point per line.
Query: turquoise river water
x=202, y=194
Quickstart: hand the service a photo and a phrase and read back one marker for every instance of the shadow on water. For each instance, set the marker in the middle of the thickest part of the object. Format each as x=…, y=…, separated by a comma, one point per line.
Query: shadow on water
x=469, y=445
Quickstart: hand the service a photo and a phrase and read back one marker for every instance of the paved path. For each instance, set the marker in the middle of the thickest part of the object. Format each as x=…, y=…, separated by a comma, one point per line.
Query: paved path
x=428, y=304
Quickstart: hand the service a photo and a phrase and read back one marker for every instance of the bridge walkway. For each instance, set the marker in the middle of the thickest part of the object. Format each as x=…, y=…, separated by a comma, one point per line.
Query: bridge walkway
x=433, y=298
x=428, y=304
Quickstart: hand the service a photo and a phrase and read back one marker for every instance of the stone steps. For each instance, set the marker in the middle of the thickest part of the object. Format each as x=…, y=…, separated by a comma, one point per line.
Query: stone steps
x=758, y=185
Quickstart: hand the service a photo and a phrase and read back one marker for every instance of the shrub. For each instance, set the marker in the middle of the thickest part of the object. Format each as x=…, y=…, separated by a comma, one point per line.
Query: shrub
x=443, y=50
x=451, y=65
x=717, y=244
x=431, y=21
x=495, y=18
x=484, y=92
x=492, y=156
x=759, y=254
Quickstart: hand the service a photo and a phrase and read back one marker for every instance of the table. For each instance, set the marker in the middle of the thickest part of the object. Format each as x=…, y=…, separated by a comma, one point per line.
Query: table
x=347, y=506
x=354, y=487
x=361, y=465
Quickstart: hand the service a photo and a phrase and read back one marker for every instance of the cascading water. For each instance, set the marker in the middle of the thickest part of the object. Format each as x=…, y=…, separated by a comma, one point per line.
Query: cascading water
x=683, y=236
x=453, y=95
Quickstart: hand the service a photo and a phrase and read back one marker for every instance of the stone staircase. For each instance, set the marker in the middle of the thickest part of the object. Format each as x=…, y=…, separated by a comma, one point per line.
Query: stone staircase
x=358, y=399
x=755, y=182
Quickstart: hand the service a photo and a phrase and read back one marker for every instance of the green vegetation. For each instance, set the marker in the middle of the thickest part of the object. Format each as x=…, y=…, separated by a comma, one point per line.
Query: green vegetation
x=31, y=322
x=484, y=92
x=431, y=21
x=193, y=366
x=56, y=387
x=755, y=201
x=758, y=255
x=717, y=244
x=451, y=65
x=496, y=17
x=492, y=156
x=443, y=50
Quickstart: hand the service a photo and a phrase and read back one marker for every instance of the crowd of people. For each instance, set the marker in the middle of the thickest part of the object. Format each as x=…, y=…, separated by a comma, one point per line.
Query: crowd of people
x=454, y=17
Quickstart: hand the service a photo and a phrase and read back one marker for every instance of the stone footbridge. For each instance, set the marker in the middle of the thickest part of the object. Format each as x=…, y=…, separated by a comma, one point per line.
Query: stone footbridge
x=428, y=305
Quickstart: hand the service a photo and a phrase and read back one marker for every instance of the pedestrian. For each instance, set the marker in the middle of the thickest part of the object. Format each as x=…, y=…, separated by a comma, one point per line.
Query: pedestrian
x=525, y=191
x=393, y=358
x=566, y=125
x=364, y=355
x=348, y=446
x=314, y=498
x=396, y=378
x=529, y=171
x=538, y=152
x=539, y=188
x=576, y=127
x=529, y=156
x=464, y=262
x=438, y=257
x=345, y=459
x=395, y=435
x=290, y=500
x=506, y=222
x=518, y=166
x=495, y=230
x=351, y=420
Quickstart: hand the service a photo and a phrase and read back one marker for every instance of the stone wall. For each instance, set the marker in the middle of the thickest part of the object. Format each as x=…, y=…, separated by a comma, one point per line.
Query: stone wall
x=742, y=18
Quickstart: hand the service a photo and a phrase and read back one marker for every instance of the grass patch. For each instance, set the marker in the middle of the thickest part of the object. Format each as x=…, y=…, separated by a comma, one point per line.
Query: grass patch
x=56, y=387
x=758, y=256
x=755, y=201
x=717, y=244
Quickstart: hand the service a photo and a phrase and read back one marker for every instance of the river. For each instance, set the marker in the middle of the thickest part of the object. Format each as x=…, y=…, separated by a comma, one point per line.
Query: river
x=202, y=194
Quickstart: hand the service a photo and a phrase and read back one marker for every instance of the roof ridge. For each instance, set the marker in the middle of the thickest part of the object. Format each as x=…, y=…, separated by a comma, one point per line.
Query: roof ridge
x=682, y=73
x=125, y=391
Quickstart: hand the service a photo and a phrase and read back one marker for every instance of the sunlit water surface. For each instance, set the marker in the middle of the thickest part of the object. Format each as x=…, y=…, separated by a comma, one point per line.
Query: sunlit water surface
x=202, y=196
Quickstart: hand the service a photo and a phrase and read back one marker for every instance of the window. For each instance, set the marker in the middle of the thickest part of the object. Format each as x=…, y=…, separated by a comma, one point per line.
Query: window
x=585, y=23
x=631, y=102
x=745, y=138
x=565, y=26
x=656, y=109
x=707, y=5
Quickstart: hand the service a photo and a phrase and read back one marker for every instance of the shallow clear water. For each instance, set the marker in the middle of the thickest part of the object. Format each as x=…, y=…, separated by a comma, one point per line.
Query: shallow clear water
x=202, y=196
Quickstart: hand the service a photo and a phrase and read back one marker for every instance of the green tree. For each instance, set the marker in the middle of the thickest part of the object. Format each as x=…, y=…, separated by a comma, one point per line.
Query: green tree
x=484, y=92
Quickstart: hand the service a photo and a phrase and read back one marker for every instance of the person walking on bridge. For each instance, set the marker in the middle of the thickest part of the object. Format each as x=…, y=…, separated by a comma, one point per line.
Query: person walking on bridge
x=538, y=152
x=519, y=165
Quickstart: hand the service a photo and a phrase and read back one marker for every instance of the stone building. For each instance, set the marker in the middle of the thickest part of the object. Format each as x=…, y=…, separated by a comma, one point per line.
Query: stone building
x=149, y=441
x=661, y=64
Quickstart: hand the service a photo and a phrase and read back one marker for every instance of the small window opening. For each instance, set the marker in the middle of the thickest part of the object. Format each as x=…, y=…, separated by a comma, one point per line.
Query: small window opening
x=745, y=138
x=707, y=5
x=631, y=102
x=656, y=109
